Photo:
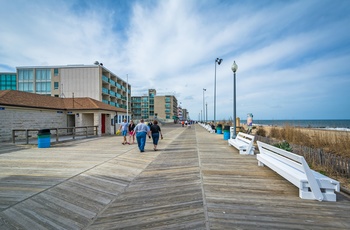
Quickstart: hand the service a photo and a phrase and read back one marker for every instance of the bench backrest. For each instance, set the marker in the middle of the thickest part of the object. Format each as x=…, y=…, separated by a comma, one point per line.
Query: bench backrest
x=296, y=161
x=249, y=139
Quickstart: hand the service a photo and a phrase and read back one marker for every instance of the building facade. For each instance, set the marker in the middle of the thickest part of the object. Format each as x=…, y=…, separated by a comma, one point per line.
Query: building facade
x=8, y=81
x=152, y=106
x=93, y=81
x=22, y=110
x=166, y=107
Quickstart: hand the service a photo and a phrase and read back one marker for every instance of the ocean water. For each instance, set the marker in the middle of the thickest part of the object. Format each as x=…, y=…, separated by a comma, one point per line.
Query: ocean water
x=320, y=124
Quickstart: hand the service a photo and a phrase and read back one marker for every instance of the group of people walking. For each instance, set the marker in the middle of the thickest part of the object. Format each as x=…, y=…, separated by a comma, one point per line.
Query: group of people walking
x=141, y=131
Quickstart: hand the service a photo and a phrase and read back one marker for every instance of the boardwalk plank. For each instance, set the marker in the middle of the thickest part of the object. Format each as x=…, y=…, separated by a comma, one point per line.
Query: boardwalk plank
x=194, y=181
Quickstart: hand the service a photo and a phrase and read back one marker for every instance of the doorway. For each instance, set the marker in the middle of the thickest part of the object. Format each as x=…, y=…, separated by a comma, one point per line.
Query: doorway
x=103, y=124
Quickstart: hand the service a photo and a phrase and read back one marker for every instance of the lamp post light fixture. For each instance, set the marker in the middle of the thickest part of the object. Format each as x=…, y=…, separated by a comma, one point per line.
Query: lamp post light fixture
x=217, y=60
x=203, y=105
x=234, y=68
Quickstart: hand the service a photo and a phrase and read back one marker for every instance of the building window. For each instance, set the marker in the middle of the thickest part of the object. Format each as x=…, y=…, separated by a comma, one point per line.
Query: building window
x=43, y=81
x=25, y=80
x=55, y=85
x=8, y=81
x=55, y=72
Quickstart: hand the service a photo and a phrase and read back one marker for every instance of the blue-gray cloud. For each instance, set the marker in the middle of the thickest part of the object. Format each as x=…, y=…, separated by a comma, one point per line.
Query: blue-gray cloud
x=292, y=56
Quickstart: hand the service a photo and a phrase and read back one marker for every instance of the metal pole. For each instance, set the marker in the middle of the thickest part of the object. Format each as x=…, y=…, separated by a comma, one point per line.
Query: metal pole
x=234, y=105
x=203, y=106
x=215, y=95
x=206, y=112
x=127, y=97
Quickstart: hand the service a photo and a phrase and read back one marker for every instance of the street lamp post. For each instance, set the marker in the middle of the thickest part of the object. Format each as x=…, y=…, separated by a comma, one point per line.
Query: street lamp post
x=234, y=68
x=203, y=104
x=127, y=98
x=217, y=60
x=206, y=112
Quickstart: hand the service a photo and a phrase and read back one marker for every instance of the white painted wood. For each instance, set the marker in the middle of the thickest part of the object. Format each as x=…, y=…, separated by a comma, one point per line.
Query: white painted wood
x=312, y=185
x=244, y=143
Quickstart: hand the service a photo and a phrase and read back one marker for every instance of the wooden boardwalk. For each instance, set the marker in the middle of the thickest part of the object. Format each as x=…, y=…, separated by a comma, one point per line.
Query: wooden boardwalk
x=195, y=181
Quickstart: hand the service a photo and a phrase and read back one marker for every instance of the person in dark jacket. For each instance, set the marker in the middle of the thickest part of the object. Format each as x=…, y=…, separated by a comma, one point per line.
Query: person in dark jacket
x=131, y=132
x=156, y=133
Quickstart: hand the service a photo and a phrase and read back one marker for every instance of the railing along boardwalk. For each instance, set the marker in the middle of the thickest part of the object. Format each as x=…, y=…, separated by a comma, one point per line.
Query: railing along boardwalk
x=59, y=133
x=195, y=181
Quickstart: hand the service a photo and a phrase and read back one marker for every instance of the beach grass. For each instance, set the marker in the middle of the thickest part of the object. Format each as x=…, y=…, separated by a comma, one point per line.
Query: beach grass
x=335, y=142
x=330, y=145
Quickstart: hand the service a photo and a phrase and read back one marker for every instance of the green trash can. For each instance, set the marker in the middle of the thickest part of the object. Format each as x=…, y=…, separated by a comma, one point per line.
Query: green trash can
x=219, y=129
x=226, y=132
x=44, y=138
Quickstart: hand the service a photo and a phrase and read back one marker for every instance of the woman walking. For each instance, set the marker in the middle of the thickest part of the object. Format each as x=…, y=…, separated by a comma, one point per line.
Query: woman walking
x=131, y=132
x=156, y=133
x=141, y=130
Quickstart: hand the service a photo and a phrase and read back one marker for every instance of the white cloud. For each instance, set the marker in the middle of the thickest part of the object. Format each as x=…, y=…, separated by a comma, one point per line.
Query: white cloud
x=285, y=51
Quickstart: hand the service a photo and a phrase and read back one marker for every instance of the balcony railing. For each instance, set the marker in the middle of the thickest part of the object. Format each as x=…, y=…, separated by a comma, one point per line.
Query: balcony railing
x=104, y=78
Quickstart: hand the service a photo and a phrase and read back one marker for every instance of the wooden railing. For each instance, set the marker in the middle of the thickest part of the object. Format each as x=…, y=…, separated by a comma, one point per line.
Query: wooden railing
x=70, y=131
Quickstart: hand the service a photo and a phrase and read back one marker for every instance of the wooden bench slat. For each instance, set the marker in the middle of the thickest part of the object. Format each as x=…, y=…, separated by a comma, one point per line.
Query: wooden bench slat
x=244, y=143
x=294, y=168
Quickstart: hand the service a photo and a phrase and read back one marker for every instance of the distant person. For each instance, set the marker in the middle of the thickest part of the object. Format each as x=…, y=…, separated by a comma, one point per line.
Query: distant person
x=124, y=130
x=156, y=133
x=249, y=124
x=131, y=132
x=141, y=130
x=213, y=127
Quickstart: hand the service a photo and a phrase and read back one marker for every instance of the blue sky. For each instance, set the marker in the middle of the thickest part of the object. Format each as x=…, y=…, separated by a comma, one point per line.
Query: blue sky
x=293, y=56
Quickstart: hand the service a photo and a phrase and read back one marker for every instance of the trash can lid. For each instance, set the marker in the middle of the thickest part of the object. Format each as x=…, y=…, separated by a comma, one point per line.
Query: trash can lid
x=42, y=131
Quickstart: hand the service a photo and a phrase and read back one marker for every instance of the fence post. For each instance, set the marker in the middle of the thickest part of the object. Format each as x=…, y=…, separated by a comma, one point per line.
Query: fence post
x=56, y=135
x=13, y=136
x=27, y=137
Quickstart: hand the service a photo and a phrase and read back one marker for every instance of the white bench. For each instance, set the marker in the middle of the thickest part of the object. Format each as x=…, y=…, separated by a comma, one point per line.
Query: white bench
x=244, y=143
x=208, y=128
x=312, y=185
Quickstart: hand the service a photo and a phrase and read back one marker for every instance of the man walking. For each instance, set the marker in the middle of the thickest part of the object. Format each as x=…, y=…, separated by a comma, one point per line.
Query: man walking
x=142, y=130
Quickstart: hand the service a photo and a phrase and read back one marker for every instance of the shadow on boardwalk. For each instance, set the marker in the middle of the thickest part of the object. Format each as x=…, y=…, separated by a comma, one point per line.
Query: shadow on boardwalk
x=195, y=181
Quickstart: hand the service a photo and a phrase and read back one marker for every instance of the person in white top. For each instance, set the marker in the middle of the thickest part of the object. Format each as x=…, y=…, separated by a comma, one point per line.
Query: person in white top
x=141, y=130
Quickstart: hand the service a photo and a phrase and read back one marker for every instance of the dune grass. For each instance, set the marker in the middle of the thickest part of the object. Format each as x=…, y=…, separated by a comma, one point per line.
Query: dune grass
x=335, y=142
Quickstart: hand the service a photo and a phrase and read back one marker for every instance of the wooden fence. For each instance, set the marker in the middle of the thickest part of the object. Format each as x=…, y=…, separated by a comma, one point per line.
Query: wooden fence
x=57, y=132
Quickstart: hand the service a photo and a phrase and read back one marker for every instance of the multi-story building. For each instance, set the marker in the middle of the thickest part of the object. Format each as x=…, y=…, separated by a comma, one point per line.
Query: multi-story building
x=179, y=113
x=8, y=81
x=150, y=106
x=185, y=114
x=93, y=81
x=136, y=107
x=166, y=106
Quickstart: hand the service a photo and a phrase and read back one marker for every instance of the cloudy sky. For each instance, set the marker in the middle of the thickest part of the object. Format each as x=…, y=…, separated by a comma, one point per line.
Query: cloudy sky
x=293, y=57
